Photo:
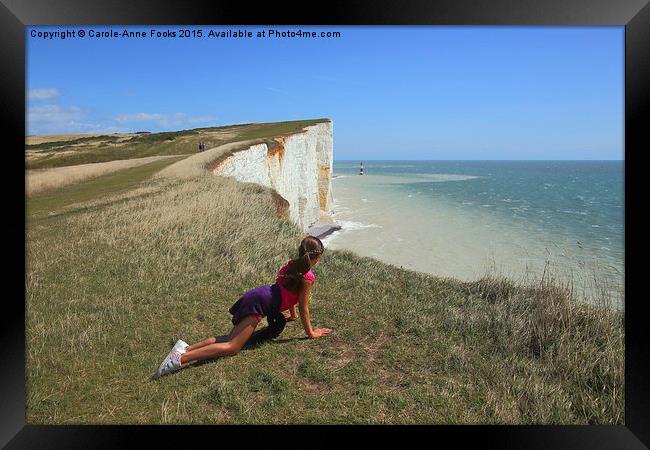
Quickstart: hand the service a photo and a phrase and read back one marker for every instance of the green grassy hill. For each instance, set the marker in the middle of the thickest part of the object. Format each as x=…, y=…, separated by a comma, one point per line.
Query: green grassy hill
x=120, y=267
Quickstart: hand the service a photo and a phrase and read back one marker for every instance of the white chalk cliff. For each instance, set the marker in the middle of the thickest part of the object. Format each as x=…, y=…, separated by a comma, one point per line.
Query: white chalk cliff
x=297, y=166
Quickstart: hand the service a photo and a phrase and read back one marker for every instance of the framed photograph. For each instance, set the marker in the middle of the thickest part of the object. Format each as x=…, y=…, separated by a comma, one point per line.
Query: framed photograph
x=381, y=218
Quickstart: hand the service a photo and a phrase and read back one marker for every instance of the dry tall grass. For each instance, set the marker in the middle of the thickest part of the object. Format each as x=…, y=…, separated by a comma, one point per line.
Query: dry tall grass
x=579, y=345
x=32, y=140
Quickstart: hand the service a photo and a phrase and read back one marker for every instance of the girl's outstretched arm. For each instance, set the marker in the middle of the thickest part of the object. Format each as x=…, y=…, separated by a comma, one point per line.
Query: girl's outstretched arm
x=303, y=305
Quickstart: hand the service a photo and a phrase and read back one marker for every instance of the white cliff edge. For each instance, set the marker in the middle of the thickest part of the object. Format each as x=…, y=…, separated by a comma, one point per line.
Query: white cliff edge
x=299, y=168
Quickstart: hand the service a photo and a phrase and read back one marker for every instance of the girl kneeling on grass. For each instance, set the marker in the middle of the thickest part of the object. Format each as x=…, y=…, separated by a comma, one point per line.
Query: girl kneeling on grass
x=291, y=287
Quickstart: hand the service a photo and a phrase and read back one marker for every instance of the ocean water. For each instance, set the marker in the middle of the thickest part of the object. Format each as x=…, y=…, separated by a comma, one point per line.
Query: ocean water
x=465, y=219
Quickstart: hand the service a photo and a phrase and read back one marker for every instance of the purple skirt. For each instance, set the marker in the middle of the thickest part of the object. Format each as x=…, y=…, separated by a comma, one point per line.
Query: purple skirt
x=261, y=301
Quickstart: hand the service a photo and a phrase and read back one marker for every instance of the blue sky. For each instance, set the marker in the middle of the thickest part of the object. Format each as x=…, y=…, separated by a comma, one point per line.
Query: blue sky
x=392, y=92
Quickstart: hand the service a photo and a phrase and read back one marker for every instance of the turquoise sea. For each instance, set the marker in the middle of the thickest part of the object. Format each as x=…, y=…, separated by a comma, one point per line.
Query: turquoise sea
x=464, y=219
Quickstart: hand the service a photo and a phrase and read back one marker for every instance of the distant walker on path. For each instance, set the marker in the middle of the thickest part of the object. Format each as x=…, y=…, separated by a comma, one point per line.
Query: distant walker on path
x=361, y=169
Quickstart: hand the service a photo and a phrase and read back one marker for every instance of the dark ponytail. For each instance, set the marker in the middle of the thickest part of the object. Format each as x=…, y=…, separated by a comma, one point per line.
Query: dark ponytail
x=293, y=279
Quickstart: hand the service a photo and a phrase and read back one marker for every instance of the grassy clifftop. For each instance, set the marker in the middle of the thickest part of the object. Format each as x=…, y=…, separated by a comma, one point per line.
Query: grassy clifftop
x=115, y=278
x=54, y=152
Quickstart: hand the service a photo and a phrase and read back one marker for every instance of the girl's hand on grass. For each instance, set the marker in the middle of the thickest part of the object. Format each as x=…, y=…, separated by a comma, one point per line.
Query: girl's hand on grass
x=320, y=332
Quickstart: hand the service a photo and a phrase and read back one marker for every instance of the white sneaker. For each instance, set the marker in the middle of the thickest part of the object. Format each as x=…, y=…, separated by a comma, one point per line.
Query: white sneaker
x=171, y=364
x=157, y=374
x=180, y=346
x=175, y=350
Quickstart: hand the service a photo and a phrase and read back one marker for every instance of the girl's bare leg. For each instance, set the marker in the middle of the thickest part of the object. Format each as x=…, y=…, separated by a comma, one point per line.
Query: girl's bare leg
x=238, y=337
x=203, y=343
x=208, y=341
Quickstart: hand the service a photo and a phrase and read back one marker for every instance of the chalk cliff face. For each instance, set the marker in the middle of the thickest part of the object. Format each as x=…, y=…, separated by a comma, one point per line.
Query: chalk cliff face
x=298, y=166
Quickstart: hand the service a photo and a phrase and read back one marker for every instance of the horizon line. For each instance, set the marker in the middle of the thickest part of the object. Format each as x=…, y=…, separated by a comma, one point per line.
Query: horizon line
x=425, y=160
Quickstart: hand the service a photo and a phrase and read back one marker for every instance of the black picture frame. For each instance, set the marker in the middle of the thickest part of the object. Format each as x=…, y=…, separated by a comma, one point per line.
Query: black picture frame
x=15, y=15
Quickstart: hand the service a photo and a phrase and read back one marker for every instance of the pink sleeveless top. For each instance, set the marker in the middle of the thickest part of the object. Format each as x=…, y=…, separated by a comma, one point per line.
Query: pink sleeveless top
x=290, y=298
